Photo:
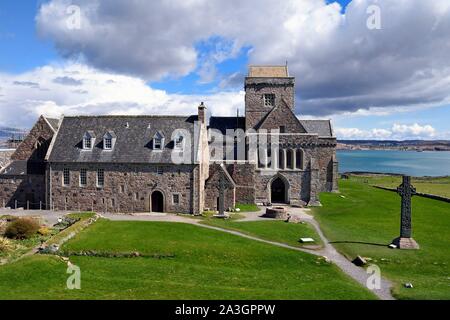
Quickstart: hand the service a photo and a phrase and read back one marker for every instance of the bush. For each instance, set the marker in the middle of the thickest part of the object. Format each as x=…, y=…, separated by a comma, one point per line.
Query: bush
x=5, y=245
x=21, y=229
x=44, y=231
x=8, y=218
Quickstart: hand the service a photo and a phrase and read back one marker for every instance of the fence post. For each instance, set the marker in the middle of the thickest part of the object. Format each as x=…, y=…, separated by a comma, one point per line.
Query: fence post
x=28, y=205
x=15, y=201
x=40, y=205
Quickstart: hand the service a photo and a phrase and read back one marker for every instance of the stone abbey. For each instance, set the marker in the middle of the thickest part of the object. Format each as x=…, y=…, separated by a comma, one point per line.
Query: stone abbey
x=126, y=164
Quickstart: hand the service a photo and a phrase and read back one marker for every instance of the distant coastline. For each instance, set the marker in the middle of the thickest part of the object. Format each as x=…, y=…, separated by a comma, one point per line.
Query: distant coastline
x=408, y=145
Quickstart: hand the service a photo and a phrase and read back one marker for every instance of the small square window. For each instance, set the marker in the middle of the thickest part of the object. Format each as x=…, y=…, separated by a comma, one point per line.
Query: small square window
x=108, y=144
x=176, y=198
x=87, y=143
x=269, y=100
x=282, y=129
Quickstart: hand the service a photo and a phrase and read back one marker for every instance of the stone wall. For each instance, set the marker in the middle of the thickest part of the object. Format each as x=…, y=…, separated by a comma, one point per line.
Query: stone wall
x=243, y=175
x=128, y=187
x=27, y=190
x=212, y=191
x=27, y=149
x=255, y=88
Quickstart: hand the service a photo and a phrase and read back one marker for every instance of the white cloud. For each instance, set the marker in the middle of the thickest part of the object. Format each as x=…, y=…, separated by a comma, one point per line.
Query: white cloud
x=85, y=90
x=340, y=65
x=396, y=132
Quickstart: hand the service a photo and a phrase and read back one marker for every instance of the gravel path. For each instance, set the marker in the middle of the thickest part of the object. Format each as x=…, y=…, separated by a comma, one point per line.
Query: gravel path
x=357, y=273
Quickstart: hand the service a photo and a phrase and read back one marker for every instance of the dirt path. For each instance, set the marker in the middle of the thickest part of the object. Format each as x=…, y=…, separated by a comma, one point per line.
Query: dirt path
x=357, y=273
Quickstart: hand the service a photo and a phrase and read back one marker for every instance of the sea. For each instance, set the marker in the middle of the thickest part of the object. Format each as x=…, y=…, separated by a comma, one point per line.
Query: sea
x=413, y=163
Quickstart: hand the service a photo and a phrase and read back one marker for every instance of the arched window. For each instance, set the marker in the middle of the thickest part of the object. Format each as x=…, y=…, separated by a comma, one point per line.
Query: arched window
x=299, y=161
x=281, y=159
x=289, y=160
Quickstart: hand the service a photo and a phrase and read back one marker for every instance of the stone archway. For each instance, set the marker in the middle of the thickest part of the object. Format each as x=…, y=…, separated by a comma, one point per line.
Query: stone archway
x=279, y=190
x=157, y=201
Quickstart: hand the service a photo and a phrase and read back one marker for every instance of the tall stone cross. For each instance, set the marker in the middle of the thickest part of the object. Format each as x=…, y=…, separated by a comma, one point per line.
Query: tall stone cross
x=406, y=191
x=222, y=188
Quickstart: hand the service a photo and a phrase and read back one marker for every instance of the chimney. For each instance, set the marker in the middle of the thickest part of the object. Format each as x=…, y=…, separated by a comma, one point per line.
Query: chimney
x=202, y=113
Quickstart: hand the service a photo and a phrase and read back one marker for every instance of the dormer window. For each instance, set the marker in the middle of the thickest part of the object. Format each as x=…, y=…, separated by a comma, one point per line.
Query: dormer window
x=88, y=140
x=269, y=100
x=179, y=142
x=109, y=140
x=158, y=141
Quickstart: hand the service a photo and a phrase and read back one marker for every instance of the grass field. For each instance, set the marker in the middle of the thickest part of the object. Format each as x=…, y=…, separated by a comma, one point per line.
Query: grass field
x=198, y=264
x=365, y=214
x=436, y=186
x=278, y=231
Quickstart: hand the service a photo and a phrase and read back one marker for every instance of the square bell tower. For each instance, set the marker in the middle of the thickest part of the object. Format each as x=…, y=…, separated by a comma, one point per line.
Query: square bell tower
x=266, y=87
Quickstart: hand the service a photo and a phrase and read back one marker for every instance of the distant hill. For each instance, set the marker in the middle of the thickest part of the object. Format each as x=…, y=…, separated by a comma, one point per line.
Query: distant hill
x=416, y=145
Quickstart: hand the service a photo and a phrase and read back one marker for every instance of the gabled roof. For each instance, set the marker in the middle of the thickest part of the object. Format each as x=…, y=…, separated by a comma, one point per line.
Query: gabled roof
x=110, y=134
x=54, y=123
x=134, y=137
x=289, y=112
x=321, y=127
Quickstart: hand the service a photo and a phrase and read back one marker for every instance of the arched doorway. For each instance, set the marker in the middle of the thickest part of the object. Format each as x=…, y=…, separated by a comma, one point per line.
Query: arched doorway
x=157, y=201
x=278, y=191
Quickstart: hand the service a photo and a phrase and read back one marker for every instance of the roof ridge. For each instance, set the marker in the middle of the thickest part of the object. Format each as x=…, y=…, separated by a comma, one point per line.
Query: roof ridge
x=131, y=116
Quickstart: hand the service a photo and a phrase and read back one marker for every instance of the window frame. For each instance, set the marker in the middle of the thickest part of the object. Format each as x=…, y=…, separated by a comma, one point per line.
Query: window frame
x=87, y=143
x=102, y=180
x=108, y=143
x=66, y=174
x=269, y=99
x=173, y=199
x=83, y=176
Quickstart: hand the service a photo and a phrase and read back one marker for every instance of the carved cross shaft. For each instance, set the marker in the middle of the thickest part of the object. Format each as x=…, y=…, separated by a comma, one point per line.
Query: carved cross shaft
x=406, y=191
x=222, y=188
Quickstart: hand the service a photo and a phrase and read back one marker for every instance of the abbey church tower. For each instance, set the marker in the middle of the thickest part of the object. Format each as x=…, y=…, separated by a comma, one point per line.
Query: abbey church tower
x=266, y=88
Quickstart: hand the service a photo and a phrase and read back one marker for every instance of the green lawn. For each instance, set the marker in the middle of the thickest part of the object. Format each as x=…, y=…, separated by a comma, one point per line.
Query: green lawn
x=199, y=264
x=436, y=186
x=279, y=231
x=247, y=207
x=365, y=214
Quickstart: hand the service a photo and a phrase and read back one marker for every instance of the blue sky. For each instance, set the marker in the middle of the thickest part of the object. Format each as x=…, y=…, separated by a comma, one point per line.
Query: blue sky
x=221, y=60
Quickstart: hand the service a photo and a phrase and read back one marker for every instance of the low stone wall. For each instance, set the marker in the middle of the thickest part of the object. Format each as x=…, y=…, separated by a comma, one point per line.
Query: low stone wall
x=420, y=194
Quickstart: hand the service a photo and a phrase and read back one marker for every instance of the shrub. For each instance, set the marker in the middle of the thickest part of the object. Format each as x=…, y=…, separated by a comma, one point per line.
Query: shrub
x=5, y=245
x=21, y=229
x=44, y=231
x=8, y=218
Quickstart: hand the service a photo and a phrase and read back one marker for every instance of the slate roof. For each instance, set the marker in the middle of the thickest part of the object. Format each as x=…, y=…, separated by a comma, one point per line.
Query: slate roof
x=321, y=127
x=15, y=168
x=53, y=122
x=224, y=123
x=134, y=138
